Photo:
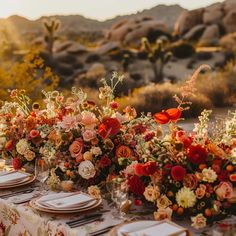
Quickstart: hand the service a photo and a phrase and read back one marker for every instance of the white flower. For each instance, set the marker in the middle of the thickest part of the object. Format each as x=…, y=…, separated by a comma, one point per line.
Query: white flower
x=22, y=146
x=2, y=142
x=209, y=175
x=185, y=198
x=151, y=193
x=232, y=157
x=96, y=151
x=199, y=221
x=47, y=151
x=87, y=169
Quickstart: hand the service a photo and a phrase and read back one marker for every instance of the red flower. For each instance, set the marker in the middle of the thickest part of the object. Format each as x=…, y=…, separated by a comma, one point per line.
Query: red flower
x=223, y=175
x=109, y=126
x=146, y=169
x=105, y=161
x=137, y=202
x=16, y=163
x=136, y=185
x=123, y=151
x=197, y=154
x=149, y=136
x=164, y=117
x=140, y=128
x=178, y=173
x=2, y=228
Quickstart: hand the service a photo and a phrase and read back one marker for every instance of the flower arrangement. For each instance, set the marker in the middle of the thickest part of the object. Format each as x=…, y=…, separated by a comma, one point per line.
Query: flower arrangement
x=179, y=173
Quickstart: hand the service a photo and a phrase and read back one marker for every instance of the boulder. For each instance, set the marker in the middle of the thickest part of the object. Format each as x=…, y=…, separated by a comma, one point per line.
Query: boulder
x=187, y=20
x=229, y=21
x=59, y=47
x=64, y=57
x=108, y=47
x=76, y=49
x=132, y=30
x=194, y=33
x=213, y=14
x=228, y=5
x=210, y=36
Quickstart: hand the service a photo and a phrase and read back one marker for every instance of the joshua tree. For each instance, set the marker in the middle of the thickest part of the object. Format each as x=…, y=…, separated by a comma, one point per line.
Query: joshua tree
x=158, y=56
x=51, y=28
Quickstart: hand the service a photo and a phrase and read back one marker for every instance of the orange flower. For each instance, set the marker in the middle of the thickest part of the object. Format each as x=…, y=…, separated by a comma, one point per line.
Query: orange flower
x=232, y=177
x=217, y=151
x=124, y=152
x=164, y=117
x=9, y=145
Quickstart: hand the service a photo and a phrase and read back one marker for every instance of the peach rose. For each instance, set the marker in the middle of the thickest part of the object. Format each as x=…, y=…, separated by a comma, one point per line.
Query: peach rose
x=190, y=181
x=89, y=120
x=224, y=191
x=200, y=191
x=88, y=135
x=162, y=214
x=199, y=221
x=163, y=202
x=76, y=148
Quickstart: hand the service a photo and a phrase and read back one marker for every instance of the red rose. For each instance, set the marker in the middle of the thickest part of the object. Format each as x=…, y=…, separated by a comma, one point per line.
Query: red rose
x=136, y=185
x=178, y=173
x=105, y=161
x=197, y=154
x=109, y=126
x=223, y=175
x=139, y=169
x=123, y=151
x=16, y=163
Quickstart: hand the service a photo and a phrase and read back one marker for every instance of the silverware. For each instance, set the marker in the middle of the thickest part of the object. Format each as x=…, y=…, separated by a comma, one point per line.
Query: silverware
x=101, y=231
x=16, y=193
x=85, y=222
x=83, y=218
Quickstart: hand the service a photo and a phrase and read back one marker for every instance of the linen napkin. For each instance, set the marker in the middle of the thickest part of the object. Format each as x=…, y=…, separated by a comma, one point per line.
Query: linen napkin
x=13, y=177
x=163, y=229
x=62, y=201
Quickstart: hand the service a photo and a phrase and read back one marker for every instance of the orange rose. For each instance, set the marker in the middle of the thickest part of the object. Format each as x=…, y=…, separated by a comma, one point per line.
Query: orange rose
x=76, y=148
x=123, y=152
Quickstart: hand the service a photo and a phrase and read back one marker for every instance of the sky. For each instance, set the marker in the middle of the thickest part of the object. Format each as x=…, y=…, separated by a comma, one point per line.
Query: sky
x=95, y=9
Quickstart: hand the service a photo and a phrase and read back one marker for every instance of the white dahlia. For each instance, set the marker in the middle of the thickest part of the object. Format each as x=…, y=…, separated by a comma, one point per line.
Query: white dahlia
x=185, y=198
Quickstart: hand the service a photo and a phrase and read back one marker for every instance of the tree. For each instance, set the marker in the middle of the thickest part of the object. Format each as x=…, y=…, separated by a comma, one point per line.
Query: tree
x=158, y=55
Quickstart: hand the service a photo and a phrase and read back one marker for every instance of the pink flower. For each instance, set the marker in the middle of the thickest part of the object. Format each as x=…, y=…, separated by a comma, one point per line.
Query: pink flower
x=224, y=190
x=88, y=135
x=200, y=191
x=34, y=133
x=69, y=122
x=182, y=137
x=76, y=148
x=89, y=119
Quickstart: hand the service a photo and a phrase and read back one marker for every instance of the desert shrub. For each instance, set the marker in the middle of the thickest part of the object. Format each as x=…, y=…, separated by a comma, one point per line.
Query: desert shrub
x=220, y=86
x=156, y=97
x=29, y=74
x=182, y=49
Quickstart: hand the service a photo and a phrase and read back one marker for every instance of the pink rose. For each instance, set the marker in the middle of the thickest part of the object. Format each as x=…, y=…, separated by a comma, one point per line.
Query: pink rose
x=200, y=191
x=76, y=148
x=34, y=133
x=88, y=135
x=89, y=119
x=69, y=122
x=224, y=191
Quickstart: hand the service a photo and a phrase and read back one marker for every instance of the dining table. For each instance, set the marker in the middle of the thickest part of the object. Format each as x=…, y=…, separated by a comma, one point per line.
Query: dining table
x=19, y=218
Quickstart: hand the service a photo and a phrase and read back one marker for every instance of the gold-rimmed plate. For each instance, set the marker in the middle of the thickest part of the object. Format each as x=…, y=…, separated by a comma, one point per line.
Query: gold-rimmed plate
x=23, y=182
x=45, y=209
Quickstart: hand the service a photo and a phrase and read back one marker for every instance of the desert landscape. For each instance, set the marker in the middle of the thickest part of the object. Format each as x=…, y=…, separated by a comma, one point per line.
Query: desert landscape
x=156, y=49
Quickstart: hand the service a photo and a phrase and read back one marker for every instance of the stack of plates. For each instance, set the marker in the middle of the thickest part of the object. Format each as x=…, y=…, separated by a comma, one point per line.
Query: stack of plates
x=14, y=179
x=65, y=203
x=149, y=228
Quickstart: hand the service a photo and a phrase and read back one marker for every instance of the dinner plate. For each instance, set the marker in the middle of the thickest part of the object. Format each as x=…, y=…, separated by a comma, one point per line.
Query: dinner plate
x=164, y=228
x=23, y=182
x=36, y=205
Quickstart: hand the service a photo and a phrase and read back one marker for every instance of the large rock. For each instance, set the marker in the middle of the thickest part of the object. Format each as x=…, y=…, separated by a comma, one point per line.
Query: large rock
x=213, y=14
x=187, y=20
x=132, y=30
x=228, y=5
x=210, y=36
x=195, y=33
x=230, y=21
x=108, y=47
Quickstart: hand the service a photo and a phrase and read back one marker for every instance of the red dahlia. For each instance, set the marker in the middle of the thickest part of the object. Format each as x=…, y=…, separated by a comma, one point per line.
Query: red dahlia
x=197, y=154
x=178, y=173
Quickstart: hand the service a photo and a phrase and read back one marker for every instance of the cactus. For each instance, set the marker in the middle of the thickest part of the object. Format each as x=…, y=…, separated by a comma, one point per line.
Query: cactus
x=158, y=56
x=51, y=28
x=125, y=62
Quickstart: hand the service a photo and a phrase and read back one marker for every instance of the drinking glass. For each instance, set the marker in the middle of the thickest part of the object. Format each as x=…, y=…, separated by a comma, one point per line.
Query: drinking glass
x=42, y=172
x=119, y=195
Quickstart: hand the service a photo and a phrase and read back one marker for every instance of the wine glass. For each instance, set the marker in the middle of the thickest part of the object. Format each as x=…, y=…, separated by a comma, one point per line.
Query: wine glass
x=119, y=195
x=42, y=172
